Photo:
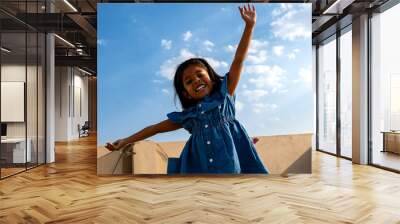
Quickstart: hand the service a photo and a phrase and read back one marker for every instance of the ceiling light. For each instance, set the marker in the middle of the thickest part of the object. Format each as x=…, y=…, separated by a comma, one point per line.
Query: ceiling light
x=64, y=40
x=84, y=71
x=337, y=7
x=70, y=5
x=5, y=50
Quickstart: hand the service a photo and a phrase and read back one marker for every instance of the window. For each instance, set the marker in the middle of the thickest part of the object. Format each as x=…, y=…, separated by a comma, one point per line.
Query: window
x=385, y=84
x=346, y=93
x=327, y=96
x=22, y=77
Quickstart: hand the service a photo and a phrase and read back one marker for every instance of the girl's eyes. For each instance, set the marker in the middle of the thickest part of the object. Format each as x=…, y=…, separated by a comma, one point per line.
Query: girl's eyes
x=189, y=81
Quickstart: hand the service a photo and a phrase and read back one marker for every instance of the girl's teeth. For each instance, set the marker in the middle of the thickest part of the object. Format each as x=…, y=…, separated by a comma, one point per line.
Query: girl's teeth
x=200, y=87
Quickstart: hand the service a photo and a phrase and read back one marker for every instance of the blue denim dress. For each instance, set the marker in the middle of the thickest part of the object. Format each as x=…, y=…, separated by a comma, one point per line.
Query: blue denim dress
x=218, y=142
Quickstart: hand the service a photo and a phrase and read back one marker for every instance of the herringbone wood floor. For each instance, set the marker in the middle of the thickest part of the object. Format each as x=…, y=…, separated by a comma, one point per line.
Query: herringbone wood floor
x=70, y=192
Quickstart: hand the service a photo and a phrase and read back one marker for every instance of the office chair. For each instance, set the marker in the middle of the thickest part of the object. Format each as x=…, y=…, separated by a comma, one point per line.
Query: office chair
x=84, y=130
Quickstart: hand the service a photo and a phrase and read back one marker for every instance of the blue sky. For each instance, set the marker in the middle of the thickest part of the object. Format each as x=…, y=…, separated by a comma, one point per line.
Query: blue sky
x=140, y=45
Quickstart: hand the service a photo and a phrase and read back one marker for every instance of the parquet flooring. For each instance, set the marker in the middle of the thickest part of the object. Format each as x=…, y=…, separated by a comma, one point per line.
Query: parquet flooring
x=10, y=171
x=69, y=191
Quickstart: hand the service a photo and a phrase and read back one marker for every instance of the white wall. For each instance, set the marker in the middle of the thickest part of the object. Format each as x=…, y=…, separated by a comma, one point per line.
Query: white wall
x=314, y=86
x=13, y=73
x=33, y=127
x=61, y=103
x=70, y=83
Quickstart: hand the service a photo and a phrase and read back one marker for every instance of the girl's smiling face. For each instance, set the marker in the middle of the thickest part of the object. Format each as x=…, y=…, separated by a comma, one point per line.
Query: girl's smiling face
x=196, y=82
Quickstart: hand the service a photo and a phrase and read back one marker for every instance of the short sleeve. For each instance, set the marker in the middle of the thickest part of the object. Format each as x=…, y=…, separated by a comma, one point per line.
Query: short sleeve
x=185, y=118
x=182, y=117
x=224, y=84
x=175, y=117
x=224, y=87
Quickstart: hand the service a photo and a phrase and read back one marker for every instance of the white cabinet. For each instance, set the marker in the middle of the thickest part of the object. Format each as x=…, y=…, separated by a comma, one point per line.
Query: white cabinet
x=18, y=149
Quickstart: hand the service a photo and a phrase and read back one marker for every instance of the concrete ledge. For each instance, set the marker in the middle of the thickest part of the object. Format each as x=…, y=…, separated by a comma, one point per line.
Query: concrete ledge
x=281, y=154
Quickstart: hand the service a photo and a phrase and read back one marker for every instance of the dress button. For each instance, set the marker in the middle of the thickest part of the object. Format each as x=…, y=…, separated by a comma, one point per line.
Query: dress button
x=202, y=112
x=199, y=105
x=206, y=126
x=211, y=160
x=208, y=142
x=219, y=107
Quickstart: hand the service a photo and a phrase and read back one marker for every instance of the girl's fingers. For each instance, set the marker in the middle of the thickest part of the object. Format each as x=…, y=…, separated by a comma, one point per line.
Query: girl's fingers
x=247, y=8
x=116, y=142
x=109, y=146
x=241, y=11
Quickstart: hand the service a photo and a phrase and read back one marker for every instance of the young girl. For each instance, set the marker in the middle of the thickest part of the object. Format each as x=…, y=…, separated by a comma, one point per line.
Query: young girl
x=218, y=142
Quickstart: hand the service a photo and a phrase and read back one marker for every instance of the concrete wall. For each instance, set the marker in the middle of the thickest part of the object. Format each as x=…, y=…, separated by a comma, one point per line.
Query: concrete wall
x=281, y=154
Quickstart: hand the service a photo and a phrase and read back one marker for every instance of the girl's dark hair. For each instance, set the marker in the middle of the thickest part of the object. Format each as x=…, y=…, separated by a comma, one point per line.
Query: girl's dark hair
x=178, y=80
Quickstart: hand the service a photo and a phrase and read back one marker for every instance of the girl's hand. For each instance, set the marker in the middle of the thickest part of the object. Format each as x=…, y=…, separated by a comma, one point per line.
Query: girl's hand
x=255, y=140
x=248, y=14
x=115, y=145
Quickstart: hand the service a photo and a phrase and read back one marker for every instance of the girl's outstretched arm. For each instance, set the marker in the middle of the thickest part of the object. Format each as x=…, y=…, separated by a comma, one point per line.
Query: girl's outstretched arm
x=164, y=126
x=249, y=16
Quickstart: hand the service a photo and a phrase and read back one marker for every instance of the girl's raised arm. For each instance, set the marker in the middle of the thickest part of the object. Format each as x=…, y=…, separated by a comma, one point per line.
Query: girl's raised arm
x=249, y=16
x=164, y=126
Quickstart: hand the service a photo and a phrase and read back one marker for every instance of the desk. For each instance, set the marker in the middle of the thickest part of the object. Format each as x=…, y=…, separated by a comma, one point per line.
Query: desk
x=391, y=141
x=13, y=150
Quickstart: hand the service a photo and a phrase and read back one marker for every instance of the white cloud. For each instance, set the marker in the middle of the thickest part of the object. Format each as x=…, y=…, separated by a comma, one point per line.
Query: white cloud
x=168, y=67
x=215, y=64
x=272, y=106
x=275, y=119
x=166, y=44
x=257, y=45
x=208, y=45
x=288, y=26
x=230, y=48
x=239, y=105
x=256, y=110
x=267, y=77
x=102, y=42
x=259, y=107
x=283, y=7
x=258, y=58
x=278, y=50
x=223, y=9
x=157, y=81
x=187, y=35
x=283, y=91
x=293, y=54
x=254, y=95
x=305, y=76
x=165, y=91
x=186, y=54
x=257, y=51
